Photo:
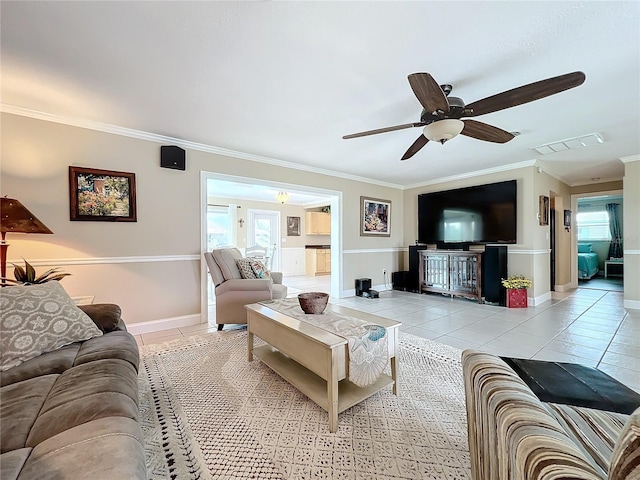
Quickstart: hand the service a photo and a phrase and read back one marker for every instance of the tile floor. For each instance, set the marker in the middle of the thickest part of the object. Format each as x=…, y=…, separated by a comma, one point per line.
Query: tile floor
x=587, y=326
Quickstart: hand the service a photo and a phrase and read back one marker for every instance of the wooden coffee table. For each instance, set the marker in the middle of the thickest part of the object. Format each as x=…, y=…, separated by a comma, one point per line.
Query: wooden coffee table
x=315, y=361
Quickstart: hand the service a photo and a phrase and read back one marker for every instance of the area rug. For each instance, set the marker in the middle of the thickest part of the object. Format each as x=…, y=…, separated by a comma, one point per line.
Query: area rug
x=209, y=413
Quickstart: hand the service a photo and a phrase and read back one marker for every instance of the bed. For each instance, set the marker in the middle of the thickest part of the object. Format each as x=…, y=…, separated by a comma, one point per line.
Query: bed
x=587, y=261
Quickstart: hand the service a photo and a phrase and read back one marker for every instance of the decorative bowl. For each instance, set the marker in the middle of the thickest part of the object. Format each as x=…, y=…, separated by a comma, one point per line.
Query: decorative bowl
x=313, y=303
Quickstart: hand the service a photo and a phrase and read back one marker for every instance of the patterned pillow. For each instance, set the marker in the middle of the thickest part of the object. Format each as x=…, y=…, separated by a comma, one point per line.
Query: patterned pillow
x=244, y=265
x=35, y=319
x=259, y=269
x=625, y=459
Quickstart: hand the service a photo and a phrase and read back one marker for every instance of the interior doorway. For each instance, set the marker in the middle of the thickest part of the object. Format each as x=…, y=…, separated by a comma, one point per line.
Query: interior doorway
x=237, y=190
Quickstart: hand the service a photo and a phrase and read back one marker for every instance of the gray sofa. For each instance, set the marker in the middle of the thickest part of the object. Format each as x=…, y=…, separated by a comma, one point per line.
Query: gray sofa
x=515, y=436
x=72, y=413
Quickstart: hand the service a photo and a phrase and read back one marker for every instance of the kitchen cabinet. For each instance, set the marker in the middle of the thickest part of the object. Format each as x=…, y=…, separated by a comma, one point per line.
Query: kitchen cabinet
x=318, y=261
x=317, y=223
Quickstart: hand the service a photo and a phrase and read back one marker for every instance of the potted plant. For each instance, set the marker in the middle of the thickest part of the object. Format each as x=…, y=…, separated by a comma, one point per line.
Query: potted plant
x=516, y=286
x=27, y=275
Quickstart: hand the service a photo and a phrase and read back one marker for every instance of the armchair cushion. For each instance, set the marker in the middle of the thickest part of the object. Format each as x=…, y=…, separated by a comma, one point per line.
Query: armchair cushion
x=226, y=258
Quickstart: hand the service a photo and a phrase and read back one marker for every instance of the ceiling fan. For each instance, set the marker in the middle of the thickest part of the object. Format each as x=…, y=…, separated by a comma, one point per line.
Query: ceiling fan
x=441, y=114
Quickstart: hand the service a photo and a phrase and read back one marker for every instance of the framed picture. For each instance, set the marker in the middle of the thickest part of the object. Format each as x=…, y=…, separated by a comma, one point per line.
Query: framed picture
x=375, y=217
x=567, y=218
x=102, y=195
x=293, y=226
x=543, y=210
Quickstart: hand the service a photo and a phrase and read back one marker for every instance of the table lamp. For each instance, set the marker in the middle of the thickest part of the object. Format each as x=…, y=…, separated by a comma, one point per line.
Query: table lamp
x=16, y=218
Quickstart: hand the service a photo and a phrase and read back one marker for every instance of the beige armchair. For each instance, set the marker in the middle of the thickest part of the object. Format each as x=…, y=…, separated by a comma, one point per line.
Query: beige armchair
x=234, y=292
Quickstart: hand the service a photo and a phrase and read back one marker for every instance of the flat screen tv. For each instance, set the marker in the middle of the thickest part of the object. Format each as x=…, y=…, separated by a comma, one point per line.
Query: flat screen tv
x=473, y=215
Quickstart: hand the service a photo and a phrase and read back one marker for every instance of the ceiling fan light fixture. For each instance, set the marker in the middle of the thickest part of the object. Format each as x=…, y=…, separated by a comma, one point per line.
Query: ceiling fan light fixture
x=443, y=130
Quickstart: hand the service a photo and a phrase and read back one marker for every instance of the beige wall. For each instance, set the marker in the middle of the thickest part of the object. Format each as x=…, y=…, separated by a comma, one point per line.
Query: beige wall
x=152, y=268
x=631, y=241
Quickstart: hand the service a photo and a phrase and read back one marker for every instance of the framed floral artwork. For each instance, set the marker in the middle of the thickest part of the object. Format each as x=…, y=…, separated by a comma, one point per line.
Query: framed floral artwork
x=102, y=195
x=375, y=217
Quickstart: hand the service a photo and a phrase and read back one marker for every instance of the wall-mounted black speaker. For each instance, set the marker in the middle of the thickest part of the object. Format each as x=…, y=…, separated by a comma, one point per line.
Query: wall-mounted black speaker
x=173, y=157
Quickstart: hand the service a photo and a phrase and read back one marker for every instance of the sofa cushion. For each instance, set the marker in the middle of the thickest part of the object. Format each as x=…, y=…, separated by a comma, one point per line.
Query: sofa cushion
x=244, y=266
x=12, y=462
x=39, y=318
x=108, y=448
x=20, y=404
x=594, y=431
x=625, y=459
x=51, y=362
x=99, y=389
x=115, y=345
x=106, y=316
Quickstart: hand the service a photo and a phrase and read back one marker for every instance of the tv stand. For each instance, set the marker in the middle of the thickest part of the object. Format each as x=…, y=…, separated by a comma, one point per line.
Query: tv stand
x=451, y=272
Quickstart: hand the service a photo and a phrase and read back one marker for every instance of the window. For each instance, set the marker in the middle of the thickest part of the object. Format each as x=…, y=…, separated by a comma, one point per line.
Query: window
x=593, y=225
x=217, y=226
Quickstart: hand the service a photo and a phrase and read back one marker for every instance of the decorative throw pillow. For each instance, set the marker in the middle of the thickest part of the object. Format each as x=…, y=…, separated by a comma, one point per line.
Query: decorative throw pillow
x=625, y=459
x=35, y=319
x=244, y=265
x=259, y=269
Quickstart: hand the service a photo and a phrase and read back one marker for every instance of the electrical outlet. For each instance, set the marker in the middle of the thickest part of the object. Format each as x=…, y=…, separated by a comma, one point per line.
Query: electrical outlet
x=384, y=271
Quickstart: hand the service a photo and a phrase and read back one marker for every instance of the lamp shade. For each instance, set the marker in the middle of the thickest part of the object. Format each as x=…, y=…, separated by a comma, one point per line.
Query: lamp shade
x=443, y=130
x=16, y=218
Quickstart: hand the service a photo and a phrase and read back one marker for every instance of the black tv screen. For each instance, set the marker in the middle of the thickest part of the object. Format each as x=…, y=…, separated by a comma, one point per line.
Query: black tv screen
x=479, y=214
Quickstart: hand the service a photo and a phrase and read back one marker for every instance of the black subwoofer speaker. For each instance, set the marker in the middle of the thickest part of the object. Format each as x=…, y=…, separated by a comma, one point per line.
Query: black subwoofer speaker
x=173, y=157
x=399, y=280
x=494, y=269
x=362, y=285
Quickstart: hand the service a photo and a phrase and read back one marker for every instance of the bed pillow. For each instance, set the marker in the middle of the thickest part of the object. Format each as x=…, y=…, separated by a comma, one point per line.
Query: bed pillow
x=35, y=319
x=584, y=248
x=244, y=265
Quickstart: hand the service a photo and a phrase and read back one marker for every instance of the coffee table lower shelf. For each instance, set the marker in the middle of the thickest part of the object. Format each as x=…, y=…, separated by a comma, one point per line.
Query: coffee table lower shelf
x=313, y=386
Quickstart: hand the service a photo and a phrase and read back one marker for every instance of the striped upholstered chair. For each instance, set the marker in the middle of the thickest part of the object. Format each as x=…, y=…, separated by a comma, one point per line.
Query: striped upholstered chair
x=515, y=436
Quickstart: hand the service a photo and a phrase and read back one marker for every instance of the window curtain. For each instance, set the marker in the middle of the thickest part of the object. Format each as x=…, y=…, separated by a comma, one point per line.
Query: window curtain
x=615, y=248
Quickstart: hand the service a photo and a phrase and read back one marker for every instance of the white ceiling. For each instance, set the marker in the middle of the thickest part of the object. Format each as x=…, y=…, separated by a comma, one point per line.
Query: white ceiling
x=286, y=80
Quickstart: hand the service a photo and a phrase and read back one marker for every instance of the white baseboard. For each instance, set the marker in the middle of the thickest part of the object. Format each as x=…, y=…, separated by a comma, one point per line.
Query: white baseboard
x=545, y=297
x=564, y=288
x=632, y=304
x=164, y=324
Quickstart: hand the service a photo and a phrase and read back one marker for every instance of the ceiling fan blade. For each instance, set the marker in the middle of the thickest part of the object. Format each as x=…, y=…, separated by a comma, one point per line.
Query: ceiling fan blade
x=525, y=94
x=420, y=142
x=384, y=130
x=486, y=132
x=428, y=92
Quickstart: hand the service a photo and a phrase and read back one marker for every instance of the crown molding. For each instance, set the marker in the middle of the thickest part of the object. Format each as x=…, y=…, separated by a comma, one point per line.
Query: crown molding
x=629, y=159
x=153, y=137
x=477, y=173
